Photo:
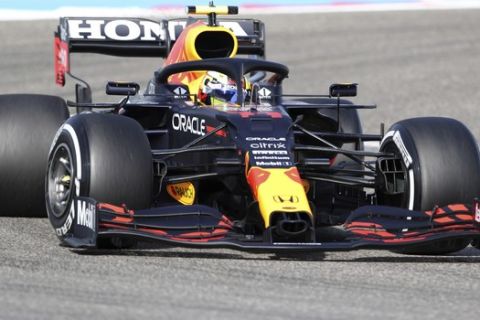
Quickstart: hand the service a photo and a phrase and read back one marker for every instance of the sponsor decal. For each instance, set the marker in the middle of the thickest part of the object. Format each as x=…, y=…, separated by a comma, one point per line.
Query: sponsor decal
x=285, y=199
x=182, y=192
x=270, y=152
x=120, y=30
x=180, y=91
x=265, y=139
x=477, y=211
x=193, y=125
x=248, y=108
x=63, y=32
x=61, y=61
x=273, y=163
x=267, y=142
x=62, y=55
x=264, y=93
x=86, y=214
x=268, y=145
x=68, y=223
x=407, y=159
x=270, y=158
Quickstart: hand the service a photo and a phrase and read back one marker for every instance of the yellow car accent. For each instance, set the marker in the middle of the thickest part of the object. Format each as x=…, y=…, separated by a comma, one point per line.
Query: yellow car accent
x=278, y=190
x=224, y=10
x=192, y=35
x=185, y=49
x=183, y=192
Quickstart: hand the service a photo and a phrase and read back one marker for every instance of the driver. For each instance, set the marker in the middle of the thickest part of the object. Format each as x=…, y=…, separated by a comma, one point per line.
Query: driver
x=217, y=89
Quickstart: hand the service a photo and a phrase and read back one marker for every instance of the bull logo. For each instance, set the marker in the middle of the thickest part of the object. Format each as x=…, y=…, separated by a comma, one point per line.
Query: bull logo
x=286, y=199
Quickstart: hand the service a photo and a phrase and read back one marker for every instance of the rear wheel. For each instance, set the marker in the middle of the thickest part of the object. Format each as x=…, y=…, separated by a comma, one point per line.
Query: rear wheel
x=441, y=162
x=28, y=124
x=104, y=157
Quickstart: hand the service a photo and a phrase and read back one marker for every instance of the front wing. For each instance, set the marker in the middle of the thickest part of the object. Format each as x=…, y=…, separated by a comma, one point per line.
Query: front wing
x=369, y=227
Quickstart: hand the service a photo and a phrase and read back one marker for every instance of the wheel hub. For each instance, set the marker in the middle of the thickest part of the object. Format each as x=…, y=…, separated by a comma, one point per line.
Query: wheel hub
x=59, y=181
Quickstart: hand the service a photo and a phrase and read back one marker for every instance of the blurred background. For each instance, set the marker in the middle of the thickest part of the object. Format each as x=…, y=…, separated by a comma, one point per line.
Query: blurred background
x=54, y=4
x=411, y=58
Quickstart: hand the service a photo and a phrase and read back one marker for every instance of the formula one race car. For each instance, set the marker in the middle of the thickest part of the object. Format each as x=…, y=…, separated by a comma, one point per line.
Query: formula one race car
x=213, y=154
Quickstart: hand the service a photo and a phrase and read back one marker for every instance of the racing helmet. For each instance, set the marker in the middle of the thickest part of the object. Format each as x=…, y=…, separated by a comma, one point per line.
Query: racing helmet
x=217, y=89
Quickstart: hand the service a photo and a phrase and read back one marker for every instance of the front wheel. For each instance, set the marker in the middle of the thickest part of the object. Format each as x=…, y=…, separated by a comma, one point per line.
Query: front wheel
x=102, y=156
x=441, y=165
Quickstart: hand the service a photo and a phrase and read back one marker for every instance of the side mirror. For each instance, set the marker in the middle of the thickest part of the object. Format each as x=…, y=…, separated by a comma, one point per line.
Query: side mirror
x=343, y=90
x=122, y=88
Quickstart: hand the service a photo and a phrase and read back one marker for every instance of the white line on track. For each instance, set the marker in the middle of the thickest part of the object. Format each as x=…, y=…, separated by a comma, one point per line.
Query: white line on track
x=11, y=14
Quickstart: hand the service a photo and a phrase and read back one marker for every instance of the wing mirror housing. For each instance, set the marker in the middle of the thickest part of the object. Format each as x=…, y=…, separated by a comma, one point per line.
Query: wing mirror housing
x=118, y=88
x=343, y=90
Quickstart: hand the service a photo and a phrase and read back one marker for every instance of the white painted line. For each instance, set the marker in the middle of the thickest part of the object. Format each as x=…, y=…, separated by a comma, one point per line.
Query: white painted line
x=10, y=14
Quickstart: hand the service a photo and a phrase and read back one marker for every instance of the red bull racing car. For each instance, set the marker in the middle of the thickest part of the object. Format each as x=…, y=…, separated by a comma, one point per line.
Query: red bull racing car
x=212, y=154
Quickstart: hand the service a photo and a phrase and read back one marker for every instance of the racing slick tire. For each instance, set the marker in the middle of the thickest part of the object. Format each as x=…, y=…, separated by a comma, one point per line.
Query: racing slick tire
x=442, y=166
x=101, y=156
x=28, y=123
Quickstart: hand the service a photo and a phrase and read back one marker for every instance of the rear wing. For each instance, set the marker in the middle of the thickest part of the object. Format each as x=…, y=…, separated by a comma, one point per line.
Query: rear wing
x=138, y=37
x=132, y=37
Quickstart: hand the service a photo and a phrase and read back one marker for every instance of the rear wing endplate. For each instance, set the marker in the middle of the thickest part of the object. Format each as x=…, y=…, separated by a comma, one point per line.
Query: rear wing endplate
x=138, y=37
x=132, y=37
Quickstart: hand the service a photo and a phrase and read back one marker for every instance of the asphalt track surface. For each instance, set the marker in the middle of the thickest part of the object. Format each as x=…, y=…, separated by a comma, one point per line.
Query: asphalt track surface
x=409, y=63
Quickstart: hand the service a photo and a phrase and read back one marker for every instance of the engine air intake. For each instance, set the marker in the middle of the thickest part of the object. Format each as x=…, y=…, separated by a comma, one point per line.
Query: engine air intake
x=214, y=44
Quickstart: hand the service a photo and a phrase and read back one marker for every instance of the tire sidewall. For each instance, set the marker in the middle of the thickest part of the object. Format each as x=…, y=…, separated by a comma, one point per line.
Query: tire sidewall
x=72, y=136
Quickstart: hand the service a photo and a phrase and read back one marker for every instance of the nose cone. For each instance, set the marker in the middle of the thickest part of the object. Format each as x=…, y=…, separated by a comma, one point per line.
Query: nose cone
x=279, y=190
